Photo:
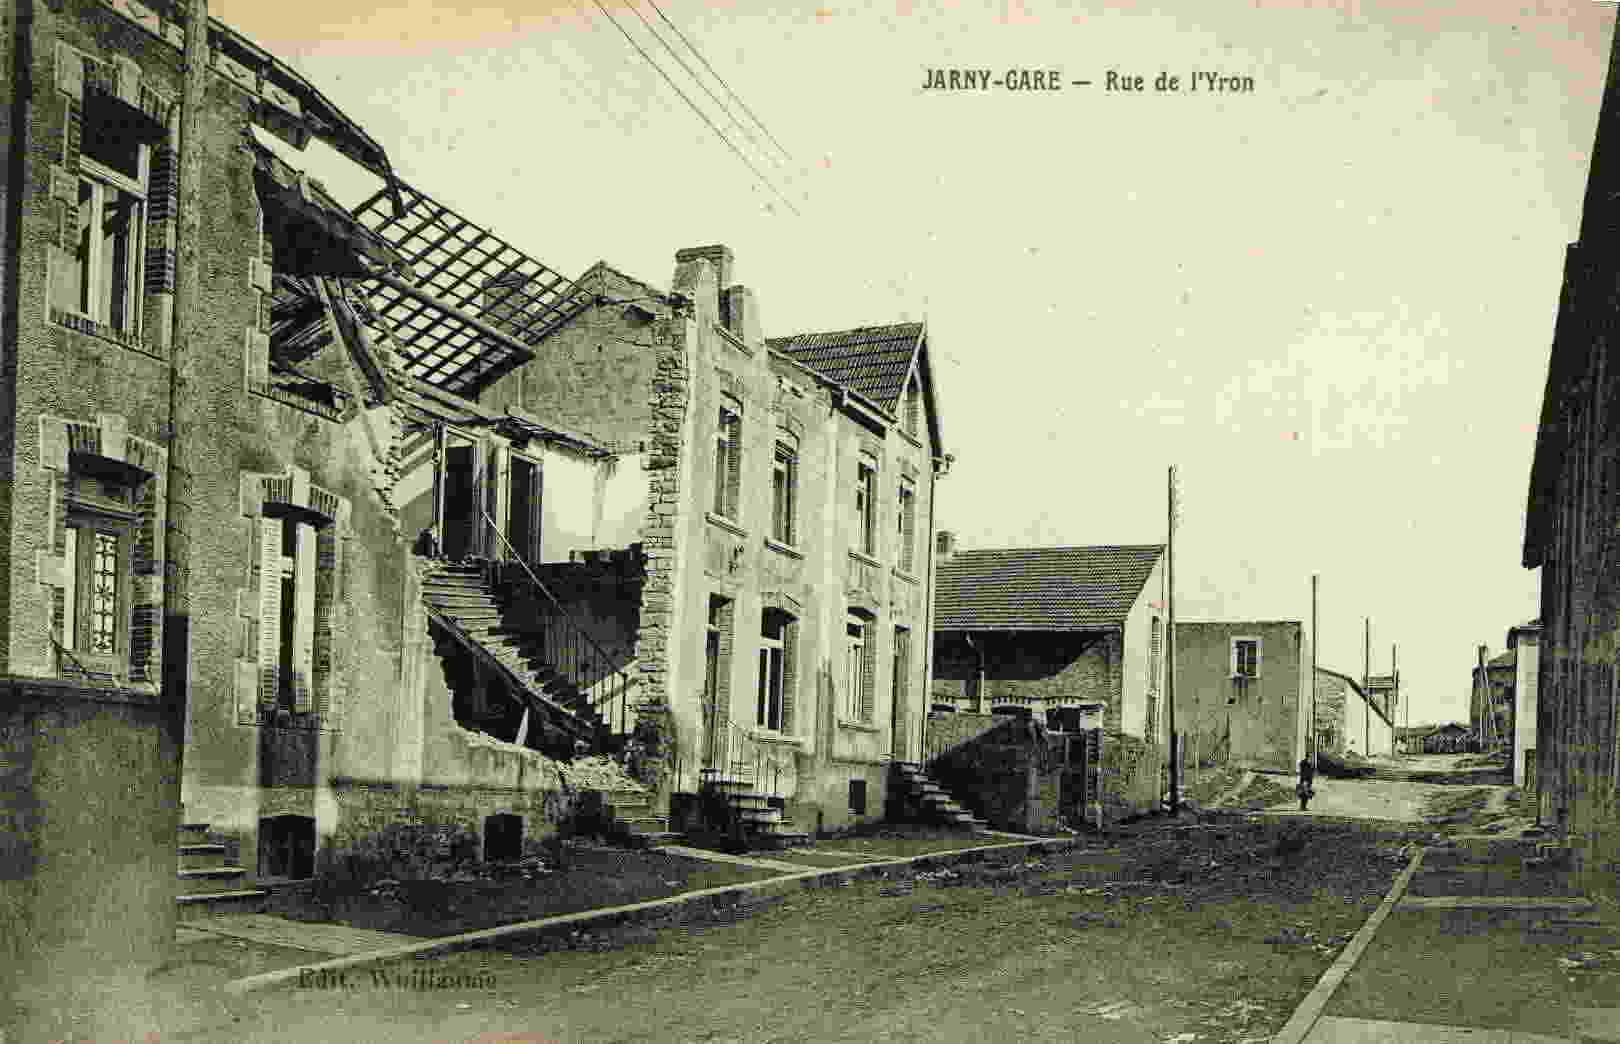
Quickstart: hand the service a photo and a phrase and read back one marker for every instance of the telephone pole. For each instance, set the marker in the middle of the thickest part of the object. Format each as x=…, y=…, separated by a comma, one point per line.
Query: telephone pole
x=1170, y=652
x=1313, y=739
x=1366, y=693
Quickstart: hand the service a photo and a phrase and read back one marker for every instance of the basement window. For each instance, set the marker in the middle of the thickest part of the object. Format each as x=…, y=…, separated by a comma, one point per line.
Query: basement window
x=857, y=797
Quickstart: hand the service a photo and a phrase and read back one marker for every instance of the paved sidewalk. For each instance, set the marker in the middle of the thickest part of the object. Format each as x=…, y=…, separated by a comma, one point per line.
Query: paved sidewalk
x=1496, y=967
x=334, y=939
x=757, y=862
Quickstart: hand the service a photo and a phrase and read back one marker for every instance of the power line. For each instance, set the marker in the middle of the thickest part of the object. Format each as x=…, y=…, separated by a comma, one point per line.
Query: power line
x=717, y=76
x=699, y=81
x=700, y=113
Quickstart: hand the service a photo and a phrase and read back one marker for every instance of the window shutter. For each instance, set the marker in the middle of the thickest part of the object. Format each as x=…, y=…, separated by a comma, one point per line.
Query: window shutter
x=480, y=499
x=304, y=620
x=500, y=508
x=70, y=591
x=868, y=672
x=327, y=559
x=733, y=464
x=790, y=635
x=1254, y=668
x=269, y=608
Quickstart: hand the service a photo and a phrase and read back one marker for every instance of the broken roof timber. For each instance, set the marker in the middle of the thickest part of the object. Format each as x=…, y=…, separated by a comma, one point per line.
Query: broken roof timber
x=472, y=272
x=287, y=104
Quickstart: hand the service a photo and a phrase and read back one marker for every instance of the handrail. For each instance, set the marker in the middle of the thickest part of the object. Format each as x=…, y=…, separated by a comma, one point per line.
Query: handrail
x=467, y=642
x=99, y=678
x=624, y=679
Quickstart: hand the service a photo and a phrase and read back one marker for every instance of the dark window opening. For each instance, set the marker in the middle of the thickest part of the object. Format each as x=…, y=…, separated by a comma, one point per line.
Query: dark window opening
x=503, y=837
x=523, y=518
x=287, y=847
x=857, y=797
x=460, y=502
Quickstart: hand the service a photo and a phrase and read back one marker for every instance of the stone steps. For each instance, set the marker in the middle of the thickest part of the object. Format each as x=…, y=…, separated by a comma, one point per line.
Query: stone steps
x=207, y=884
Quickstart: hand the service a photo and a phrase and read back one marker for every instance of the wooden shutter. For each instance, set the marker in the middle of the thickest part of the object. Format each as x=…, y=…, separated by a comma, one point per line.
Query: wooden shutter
x=304, y=620
x=440, y=461
x=790, y=637
x=500, y=507
x=327, y=565
x=868, y=670
x=733, y=465
x=70, y=587
x=479, y=543
x=269, y=608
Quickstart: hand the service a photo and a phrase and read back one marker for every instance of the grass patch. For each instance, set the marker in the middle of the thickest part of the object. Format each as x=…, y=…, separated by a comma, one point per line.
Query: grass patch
x=591, y=879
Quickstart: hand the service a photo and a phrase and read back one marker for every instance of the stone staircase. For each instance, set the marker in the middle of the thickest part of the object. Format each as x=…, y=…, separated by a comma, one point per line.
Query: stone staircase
x=912, y=786
x=634, y=822
x=463, y=595
x=208, y=885
x=753, y=813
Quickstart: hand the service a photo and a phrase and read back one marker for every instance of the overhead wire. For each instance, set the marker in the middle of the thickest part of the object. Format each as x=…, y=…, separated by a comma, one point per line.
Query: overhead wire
x=700, y=113
x=752, y=137
x=691, y=47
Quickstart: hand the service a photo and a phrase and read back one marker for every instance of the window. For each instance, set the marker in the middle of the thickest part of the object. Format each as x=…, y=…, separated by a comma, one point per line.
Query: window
x=784, y=494
x=1245, y=657
x=866, y=505
x=1155, y=654
x=857, y=797
x=900, y=689
x=716, y=671
x=523, y=515
x=727, y=458
x=858, y=670
x=287, y=610
x=907, y=526
x=96, y=602
x=775, y=684
x=102, y=278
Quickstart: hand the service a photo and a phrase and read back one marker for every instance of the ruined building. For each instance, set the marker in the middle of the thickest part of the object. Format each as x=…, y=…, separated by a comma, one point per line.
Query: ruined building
x=382, y=523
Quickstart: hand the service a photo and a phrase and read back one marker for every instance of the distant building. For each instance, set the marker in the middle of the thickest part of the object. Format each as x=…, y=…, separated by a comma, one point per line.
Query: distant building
x=1242, y=693
x=1360, y=725
x=1524, y=642
x=1064, y=635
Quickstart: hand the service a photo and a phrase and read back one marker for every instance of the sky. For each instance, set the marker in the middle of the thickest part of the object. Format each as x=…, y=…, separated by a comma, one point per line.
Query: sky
x=1327, y=302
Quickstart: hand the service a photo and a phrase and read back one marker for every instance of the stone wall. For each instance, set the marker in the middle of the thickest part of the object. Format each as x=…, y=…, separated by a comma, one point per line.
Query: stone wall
x=1006, y=774
x=407, y=831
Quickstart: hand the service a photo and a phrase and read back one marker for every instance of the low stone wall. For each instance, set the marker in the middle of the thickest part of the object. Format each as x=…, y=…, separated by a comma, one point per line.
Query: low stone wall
x=414, y=831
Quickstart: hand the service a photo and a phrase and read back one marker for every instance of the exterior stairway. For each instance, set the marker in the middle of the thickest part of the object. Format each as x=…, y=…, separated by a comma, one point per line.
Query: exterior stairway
x=632, y=821
x=750, y=813
x=461, y=594
x=913, y=787
x=207, y=885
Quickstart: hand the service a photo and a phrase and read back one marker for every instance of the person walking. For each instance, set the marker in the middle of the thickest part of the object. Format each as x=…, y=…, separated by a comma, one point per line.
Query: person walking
x=1307, y=778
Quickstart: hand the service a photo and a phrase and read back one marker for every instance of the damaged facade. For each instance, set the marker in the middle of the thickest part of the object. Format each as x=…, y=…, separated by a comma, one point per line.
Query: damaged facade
x=445, y=518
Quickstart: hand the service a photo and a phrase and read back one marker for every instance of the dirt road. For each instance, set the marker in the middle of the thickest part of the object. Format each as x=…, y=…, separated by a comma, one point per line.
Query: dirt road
x=1395, y=801
x=1215, y=930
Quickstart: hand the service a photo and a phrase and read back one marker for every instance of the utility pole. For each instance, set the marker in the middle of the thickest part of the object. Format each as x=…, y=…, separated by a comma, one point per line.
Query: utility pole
x=1170, y=652
x=1394, y=693
x=1366, y=692
x=1315, y=744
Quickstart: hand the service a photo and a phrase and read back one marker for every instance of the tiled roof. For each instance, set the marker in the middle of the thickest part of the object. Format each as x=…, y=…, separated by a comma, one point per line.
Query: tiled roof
x=873, y=360
x=1041, y=588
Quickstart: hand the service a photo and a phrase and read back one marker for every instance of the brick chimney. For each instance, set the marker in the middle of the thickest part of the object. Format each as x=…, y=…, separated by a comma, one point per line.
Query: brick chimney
x=944, y=543
x=720, y=259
